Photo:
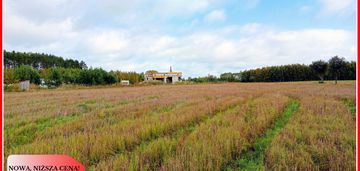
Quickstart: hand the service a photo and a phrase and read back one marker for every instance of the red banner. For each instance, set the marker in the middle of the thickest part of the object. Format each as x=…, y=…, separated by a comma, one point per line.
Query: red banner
x=43, y=163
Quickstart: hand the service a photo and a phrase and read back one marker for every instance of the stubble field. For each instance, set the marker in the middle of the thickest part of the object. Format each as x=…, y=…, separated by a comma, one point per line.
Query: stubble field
x=272, y=126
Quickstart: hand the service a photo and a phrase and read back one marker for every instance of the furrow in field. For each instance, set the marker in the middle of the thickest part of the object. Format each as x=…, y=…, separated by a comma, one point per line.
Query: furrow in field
x=99, y=114
x=90, y=148
x=224, y=137
x=320, y=136
x=109, y=116
x=150, y=155
x=24, y=133
x=254, y=157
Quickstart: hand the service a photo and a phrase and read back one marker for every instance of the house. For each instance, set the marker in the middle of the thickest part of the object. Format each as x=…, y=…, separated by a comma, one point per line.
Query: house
x=167, y=77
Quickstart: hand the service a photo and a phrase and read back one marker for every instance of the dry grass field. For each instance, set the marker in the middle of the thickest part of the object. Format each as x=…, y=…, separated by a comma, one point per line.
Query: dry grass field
x=272, y=126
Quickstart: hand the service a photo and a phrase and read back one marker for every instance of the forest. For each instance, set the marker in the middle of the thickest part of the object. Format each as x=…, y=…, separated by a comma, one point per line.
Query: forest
x=337, y=68
x=39, y=60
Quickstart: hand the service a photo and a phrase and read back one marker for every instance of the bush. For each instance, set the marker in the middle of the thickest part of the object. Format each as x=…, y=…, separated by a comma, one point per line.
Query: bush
x=9, y=76
x=11, y=87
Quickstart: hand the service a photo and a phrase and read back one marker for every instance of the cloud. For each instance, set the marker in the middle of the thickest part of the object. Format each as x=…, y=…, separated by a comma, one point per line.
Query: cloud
x=214, y=51
x=124, y=35
x=340, y=7
x=215, y=15
x=135, y=12
x=107, y=42
x=25, y=33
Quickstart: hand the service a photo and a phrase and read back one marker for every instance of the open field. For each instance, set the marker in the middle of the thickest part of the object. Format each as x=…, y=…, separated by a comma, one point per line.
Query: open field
x=276, y=126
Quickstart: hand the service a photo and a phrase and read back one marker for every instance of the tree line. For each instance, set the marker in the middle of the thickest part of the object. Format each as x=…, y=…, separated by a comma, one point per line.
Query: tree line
x=53, y=71
x=54, y=77
x=337, y=68
x=39, y=60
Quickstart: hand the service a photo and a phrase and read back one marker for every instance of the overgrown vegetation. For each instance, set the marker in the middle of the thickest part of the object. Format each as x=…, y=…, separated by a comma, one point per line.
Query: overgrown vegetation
x=200, y=126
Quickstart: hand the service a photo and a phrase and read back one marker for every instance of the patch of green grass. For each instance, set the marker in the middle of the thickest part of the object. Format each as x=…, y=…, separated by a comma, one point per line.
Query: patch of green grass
x=253, y=158
x=351, y=106
x=17, y=136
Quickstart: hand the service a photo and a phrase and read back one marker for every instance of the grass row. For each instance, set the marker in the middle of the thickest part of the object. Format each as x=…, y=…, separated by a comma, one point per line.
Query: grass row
x=151, y=155
x=254, y=157
x=90, y=148
x=320, y=136
x=225, y=136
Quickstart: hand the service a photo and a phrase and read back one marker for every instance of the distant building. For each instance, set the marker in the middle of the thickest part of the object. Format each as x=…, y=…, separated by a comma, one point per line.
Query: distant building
x=167, y=77
x=125, y=82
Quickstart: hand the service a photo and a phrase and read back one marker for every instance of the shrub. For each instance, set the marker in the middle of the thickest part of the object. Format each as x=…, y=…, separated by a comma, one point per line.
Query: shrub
x=9, y=76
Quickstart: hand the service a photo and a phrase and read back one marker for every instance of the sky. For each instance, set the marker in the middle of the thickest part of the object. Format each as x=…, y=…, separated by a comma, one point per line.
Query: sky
x=196, y=37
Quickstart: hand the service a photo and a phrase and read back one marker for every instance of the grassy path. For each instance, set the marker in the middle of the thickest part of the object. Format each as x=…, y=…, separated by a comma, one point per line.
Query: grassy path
x=253, y=159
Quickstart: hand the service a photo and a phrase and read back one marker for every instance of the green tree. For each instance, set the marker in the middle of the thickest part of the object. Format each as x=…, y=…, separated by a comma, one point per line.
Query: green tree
x=25, y=72
x=96, y=76
x=110, y=78
x=229, y=77
x=39, y=61
x=336, y=64
x=55, y=78
x=320, y=67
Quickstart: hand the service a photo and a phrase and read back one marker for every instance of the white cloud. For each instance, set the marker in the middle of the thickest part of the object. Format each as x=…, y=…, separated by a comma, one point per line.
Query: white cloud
x=215, y=15
x=199, y=53
x=26, y=33
x=129, y=43
x=340, y=7
x=107, y=42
